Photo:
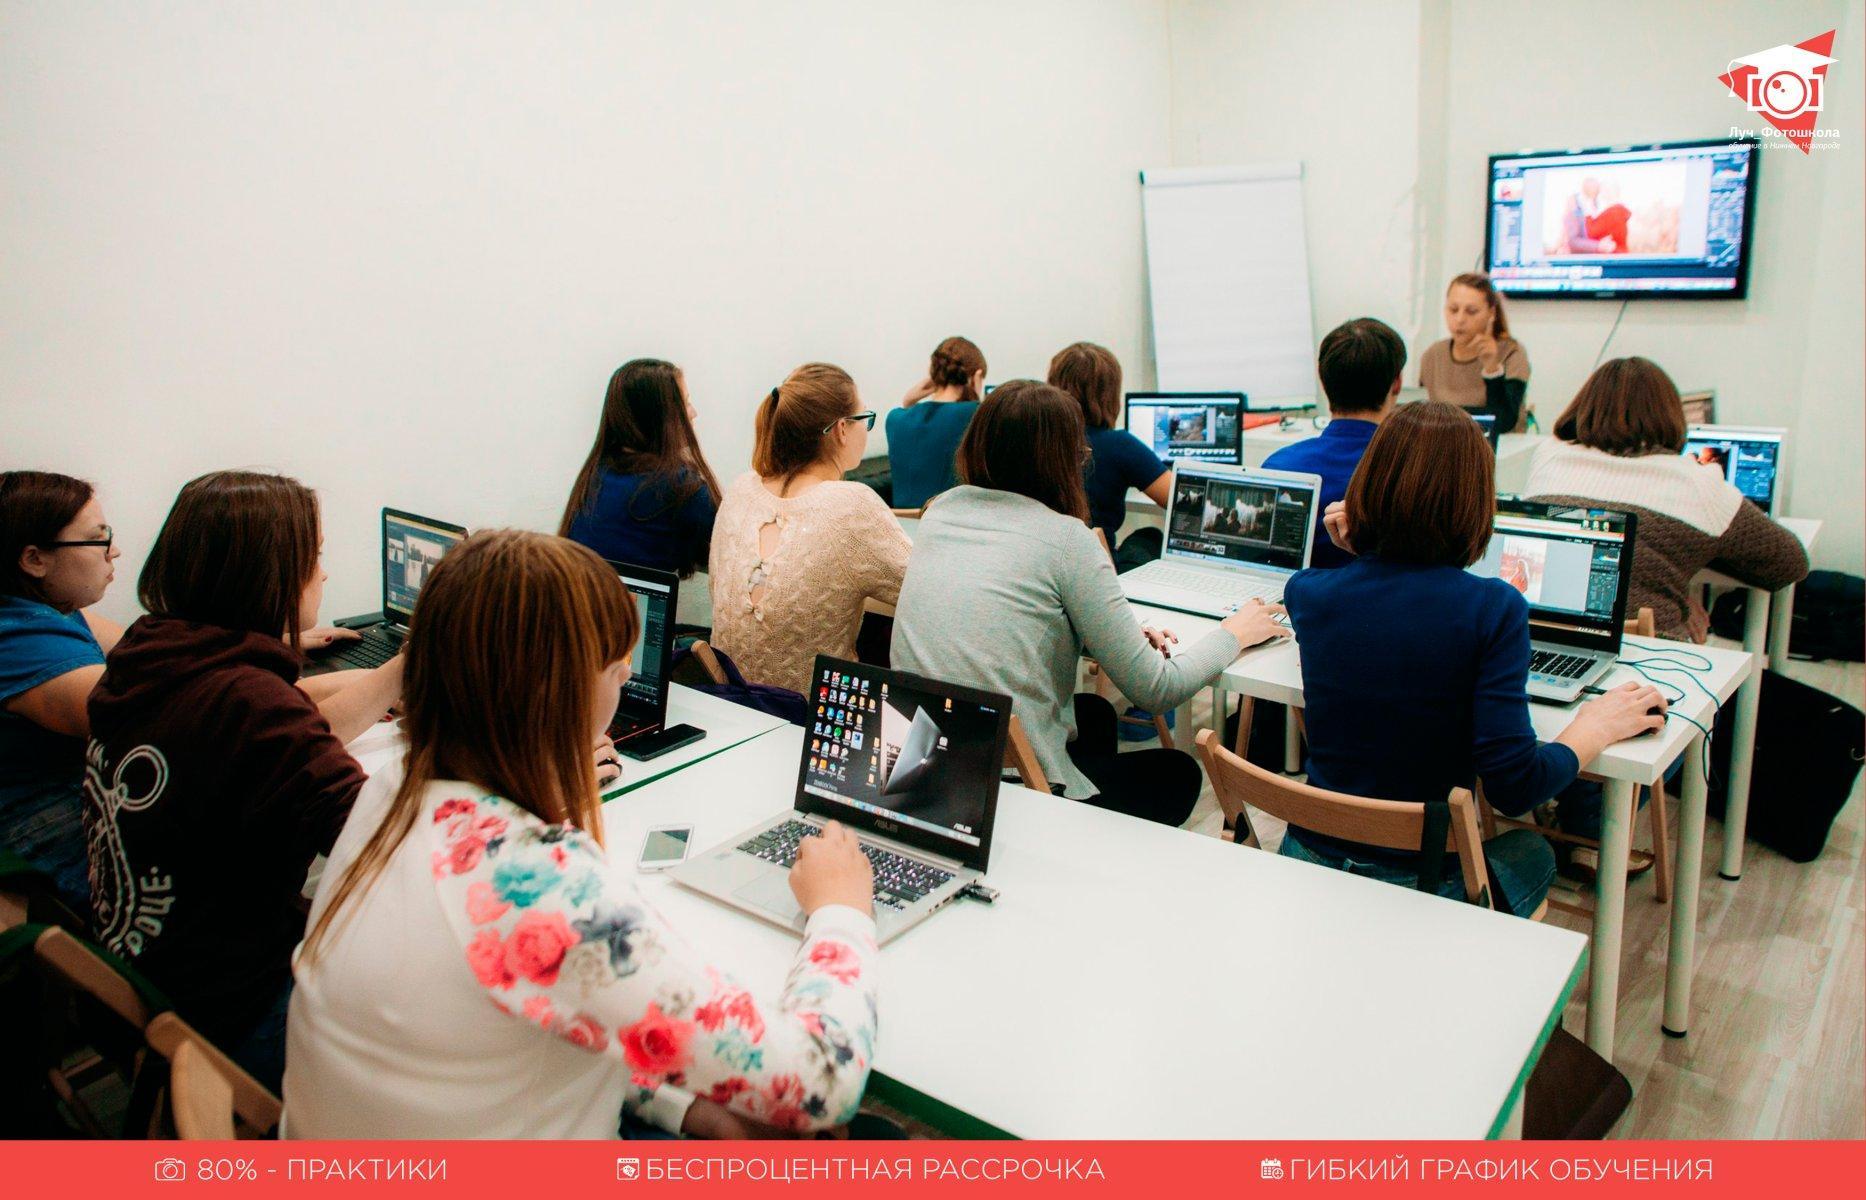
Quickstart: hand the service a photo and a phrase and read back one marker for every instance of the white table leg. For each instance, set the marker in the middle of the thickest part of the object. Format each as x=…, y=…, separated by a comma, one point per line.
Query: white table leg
x=1616, y=840
x=1743, y=734
x=1781, y=613
x=1681, y=949
x=1221, y=711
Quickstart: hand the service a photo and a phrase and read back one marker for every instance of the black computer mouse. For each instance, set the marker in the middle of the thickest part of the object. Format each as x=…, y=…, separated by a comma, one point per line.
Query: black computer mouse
x=1654, y=711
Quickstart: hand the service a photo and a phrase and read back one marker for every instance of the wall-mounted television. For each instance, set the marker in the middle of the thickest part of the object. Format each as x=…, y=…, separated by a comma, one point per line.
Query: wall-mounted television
x=1670, y=220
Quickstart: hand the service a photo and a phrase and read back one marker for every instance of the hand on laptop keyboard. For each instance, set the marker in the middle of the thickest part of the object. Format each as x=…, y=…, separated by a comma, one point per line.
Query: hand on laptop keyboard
x=1253, y=624
x=831, y=869
x=323, y=637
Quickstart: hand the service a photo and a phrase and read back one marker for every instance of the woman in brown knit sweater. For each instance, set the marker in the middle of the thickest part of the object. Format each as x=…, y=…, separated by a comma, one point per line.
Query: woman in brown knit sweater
x=1620, y=444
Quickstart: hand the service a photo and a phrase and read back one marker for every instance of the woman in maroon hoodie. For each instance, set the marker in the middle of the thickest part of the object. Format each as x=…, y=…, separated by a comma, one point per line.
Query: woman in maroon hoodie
x=212, y=780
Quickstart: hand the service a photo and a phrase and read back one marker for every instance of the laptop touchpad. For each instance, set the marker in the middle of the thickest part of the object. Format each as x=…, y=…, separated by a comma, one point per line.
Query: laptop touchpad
x=771, y=893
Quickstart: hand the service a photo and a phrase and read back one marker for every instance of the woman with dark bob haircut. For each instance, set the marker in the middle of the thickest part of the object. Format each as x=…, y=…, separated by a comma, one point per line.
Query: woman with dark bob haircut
x=1414, y=670
x=1008, y=586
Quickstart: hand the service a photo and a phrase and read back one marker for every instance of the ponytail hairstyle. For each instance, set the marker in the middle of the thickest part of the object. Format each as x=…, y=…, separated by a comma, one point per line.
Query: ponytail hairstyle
x=1477, y=281
x=953, y=364
x=645, y=430
x=792, y=422
x=509, y=622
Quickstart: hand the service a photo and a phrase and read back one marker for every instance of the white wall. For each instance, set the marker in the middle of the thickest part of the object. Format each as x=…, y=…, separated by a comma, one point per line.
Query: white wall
x=1394, y=109
x=395, y=249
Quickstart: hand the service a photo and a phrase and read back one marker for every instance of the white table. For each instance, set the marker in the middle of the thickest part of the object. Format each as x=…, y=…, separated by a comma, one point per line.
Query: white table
x=1766, y=619
x=1274, y=673
x=726, y=725
x=1138, y=981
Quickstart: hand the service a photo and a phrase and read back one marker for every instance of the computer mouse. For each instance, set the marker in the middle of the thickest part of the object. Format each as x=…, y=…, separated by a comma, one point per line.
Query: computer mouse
x=1654, y=711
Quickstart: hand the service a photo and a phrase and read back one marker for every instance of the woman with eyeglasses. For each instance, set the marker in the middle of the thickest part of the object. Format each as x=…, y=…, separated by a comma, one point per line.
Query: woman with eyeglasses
x=58, y=559
x=797, y=549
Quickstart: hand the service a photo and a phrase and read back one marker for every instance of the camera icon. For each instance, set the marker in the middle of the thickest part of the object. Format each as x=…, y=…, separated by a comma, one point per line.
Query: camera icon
x=1783, y=82
x=170, y=1170
x=628, y=1168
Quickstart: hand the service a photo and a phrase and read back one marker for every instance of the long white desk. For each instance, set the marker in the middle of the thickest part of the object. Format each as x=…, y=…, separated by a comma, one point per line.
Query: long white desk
x=1766, y=619
x=1136, y=981
x=1274, y=673
x=726, y=725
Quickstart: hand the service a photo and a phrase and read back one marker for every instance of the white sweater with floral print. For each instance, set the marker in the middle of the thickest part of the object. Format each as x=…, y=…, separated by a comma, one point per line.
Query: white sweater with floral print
x=503, y=978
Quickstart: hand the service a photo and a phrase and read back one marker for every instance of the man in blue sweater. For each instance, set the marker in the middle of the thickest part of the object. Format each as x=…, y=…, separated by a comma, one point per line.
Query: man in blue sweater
x=1360, y=364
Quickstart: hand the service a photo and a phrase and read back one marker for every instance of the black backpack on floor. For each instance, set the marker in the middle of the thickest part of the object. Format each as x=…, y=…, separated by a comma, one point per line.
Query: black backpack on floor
x=1829, y=620
x=1809, y=747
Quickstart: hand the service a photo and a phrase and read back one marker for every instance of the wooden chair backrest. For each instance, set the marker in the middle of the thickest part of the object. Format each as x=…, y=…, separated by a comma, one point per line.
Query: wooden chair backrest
x=72, y=962
x=1643, y=625
x=1021, y=756
x=912, y=514
x=12, y=910
x=709, y=662
x=1389, y=824
x=256, y=1107
x=199, y=1097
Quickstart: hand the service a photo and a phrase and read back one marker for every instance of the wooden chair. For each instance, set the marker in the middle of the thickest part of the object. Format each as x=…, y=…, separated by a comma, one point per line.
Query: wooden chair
x=200, y=1098
x=709, y=662
x=1160, y=728
x=257, y=1108
x=1660, y=856
x=1021, y=757
x=1392, y=824
x=75, y=969
x=910, y=514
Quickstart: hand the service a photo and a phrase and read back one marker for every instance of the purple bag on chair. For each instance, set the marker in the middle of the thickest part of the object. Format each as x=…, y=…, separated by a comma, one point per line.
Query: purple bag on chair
x=776, y=701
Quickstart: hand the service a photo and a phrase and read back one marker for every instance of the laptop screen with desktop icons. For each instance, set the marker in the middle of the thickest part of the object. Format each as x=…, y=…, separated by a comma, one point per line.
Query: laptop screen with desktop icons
x=908, y=757
x=1255, y=518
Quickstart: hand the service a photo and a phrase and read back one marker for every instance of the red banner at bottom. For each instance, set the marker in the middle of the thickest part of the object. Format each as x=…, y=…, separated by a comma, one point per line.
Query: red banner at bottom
x=547, y=1170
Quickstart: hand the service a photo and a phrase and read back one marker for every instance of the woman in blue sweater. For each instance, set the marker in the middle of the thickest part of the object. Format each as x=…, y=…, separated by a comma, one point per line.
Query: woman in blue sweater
x=1414, y=671
x=645, y=495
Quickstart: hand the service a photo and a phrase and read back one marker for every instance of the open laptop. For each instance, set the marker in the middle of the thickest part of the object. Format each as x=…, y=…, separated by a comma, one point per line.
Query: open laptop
x=1575, y=567
x=1233, y=535
x=1750, y=457
x=411, y=545
x=1488, y=423
x=1203, y=426
x=640, y=729
x=909, y=764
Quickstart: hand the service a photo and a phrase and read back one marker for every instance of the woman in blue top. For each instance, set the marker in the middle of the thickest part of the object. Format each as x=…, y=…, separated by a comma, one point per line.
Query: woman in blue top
x=1117, y=459
x=56, y=558
x=645, y=495
x=925, y=431
x=1414, y=671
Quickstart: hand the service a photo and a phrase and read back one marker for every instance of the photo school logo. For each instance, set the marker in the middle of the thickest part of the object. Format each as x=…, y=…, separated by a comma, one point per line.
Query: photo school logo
x=1785, y=85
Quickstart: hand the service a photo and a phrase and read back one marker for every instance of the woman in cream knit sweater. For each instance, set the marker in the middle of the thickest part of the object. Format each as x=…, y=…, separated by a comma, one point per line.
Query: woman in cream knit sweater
x=796, y=548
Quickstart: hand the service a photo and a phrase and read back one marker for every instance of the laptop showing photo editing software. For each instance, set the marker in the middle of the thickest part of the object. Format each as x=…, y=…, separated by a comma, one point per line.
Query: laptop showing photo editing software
x=411, y=545
x=1750, y=457
x=1202, y=426
x=1233, y=535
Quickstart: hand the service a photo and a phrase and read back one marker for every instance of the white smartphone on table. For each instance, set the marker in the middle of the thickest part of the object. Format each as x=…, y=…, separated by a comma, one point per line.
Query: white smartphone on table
x=664, y=847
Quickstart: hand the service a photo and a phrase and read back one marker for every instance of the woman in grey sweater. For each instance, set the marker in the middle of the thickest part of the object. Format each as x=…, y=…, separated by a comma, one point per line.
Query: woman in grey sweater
x=1007, y=588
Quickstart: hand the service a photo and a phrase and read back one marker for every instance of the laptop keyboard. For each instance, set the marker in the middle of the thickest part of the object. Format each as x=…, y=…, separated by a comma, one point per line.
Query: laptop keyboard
x=899, y=880
x=375, y=649
x=1209, y=583
x=1556, y=665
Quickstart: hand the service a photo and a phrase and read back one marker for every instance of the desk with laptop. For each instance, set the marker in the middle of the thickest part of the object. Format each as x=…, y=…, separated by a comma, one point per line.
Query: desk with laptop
x=1114, y=952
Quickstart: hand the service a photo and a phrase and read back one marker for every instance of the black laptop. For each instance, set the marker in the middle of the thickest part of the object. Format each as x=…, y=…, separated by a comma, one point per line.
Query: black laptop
x=640, y=729
x=411, y=545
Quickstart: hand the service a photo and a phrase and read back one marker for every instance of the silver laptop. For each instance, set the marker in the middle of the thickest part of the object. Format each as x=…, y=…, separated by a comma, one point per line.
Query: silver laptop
x=1750, y=456
x=1233, y=535
x=909, y=764
x=1574, y=566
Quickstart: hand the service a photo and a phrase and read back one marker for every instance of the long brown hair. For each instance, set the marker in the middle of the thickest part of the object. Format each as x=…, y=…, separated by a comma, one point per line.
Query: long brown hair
x=1477, y=281
x=644, y=430
x=238, y=550
x=1027, y=438
x=1425, y=491
x=35, y=507
x=510, y=623
x=791, y=422
x=1092, y=374
x=1628, y=406
x=953, y=364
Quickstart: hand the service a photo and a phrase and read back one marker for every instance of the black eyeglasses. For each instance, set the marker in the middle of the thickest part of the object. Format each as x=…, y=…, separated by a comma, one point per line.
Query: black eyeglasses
x=109, y=536
x=866, y=418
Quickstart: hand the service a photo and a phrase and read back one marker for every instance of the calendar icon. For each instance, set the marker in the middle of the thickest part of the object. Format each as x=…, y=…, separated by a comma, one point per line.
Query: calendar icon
x=1271, y=1168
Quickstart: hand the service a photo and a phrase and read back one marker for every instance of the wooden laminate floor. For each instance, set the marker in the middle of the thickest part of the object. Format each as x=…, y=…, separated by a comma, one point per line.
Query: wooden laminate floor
x=1777, y=1047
